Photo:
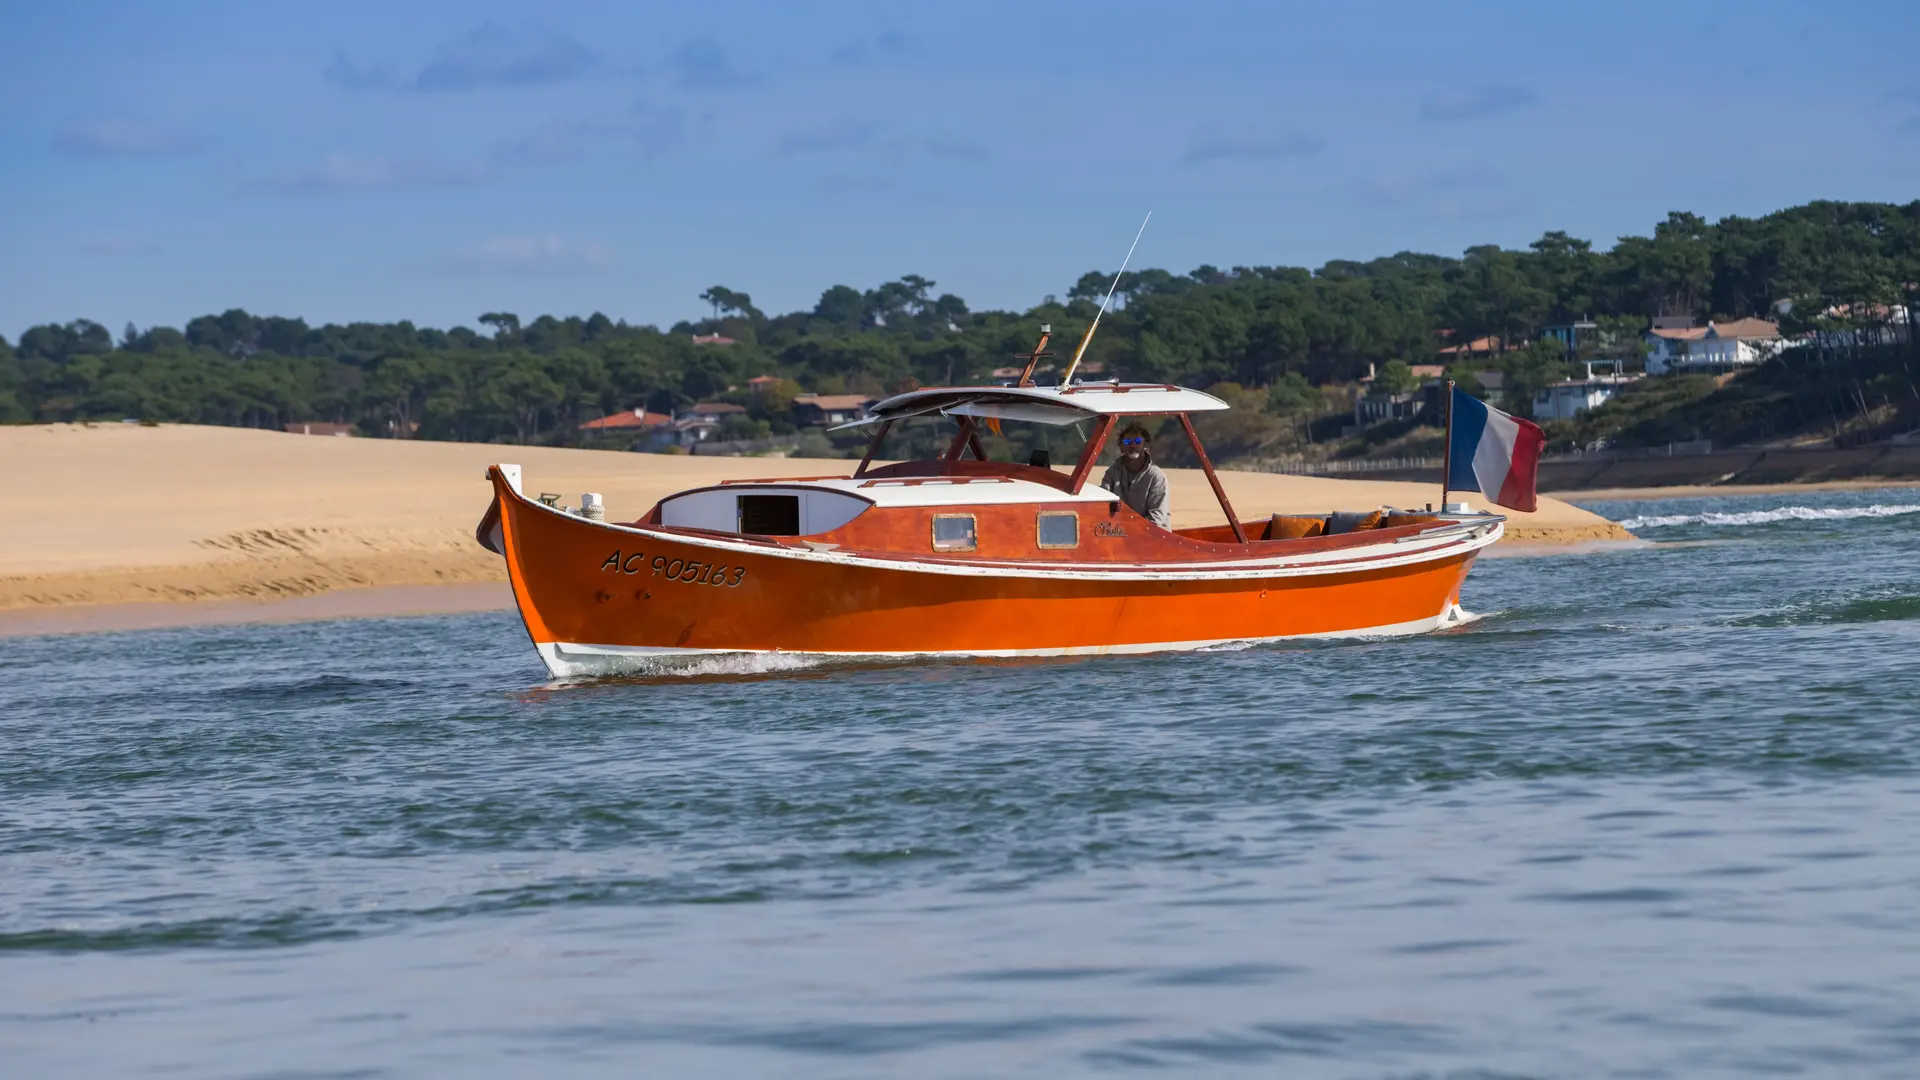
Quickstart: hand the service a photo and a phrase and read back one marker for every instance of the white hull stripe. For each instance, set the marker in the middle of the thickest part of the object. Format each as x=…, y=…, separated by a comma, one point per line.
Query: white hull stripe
x=568, y=659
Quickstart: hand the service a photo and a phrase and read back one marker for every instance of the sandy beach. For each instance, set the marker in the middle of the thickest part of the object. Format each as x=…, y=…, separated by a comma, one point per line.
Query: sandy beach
x=174, y=524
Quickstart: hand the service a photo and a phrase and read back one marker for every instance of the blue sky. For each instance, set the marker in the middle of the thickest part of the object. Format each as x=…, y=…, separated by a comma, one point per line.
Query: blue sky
x=432, y=161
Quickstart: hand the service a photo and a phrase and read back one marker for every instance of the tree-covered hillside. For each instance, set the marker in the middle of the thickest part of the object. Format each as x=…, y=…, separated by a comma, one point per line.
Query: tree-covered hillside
x=1267, y=335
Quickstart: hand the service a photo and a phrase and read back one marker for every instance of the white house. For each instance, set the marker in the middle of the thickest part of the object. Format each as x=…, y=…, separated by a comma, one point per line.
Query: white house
x=1569, y=398
x=1715, y=347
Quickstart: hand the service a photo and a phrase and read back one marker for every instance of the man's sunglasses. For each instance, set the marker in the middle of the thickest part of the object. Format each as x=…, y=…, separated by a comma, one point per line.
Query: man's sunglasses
x=1133, y=440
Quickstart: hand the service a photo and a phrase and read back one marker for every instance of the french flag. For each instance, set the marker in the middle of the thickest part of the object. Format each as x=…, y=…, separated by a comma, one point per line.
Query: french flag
x=1493, y=453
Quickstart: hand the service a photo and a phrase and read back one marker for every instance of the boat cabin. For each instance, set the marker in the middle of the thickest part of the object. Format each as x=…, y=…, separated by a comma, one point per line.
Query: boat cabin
x=956, y=502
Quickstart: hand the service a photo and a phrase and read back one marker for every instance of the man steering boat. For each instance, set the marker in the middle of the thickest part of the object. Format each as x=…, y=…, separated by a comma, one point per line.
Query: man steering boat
x=1137, y=480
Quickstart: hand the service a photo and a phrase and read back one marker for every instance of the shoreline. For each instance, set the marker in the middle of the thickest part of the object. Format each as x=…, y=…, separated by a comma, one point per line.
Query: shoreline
x=1707, y=491
x=117, y=529
x=131, y=527
x=369, y=602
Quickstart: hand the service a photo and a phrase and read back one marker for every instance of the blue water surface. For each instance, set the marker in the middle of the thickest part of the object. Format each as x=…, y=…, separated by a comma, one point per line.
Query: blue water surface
x=1657, y=814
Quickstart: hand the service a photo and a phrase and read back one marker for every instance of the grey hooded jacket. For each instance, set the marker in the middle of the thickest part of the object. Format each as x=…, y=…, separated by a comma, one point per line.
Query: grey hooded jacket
x=1145, y=491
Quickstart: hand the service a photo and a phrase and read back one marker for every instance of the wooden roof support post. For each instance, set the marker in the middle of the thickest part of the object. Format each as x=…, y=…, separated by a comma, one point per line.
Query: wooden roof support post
x=873, y=447
x=1095, y=443
x=973, y=442
x=1038, y=354
x=1219, y=492
x=960, y=439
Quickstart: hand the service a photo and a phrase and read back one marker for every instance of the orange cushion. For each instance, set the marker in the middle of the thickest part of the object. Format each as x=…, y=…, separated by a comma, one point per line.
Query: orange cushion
x=1287, y=527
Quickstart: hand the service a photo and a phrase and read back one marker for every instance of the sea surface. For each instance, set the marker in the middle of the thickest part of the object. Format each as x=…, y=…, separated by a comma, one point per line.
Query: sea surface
x=1656, y=814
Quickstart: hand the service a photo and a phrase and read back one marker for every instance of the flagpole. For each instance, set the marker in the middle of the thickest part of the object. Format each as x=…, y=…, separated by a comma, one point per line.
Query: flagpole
x=1446, y=457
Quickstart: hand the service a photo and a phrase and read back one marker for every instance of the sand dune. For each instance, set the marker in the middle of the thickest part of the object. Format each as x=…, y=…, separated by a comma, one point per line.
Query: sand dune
x=114, y=513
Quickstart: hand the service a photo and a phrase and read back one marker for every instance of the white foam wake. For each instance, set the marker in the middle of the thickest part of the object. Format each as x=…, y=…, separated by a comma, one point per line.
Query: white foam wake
x=697, y=665
x=1768, y=517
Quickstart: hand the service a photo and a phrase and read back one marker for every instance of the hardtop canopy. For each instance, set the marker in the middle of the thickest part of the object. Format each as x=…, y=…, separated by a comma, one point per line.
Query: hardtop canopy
x=1044, y=404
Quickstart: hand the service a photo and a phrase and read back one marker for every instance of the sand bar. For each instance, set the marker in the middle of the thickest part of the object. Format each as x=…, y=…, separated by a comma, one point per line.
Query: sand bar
x=118, y=514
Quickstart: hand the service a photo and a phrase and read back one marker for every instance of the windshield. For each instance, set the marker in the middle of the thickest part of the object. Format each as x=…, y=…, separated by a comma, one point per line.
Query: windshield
x=929, y=438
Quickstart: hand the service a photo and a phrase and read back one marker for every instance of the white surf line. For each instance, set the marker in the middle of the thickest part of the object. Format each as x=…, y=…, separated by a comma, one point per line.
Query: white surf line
x=1767, y=517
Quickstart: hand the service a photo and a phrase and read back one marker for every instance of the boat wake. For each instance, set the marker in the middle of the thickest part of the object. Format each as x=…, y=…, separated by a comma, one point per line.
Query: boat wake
x=1769, y=517
x=715, y=666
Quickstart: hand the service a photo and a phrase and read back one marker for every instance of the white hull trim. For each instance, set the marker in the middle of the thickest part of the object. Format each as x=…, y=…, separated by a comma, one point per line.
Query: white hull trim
x=1462, y=537
x=565, y=659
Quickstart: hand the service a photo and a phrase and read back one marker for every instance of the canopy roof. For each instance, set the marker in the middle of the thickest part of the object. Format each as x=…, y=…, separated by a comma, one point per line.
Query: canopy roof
x=1045, y=404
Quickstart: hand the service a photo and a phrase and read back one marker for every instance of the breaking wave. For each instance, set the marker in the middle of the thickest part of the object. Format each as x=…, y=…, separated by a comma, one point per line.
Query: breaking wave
x=1768, y=517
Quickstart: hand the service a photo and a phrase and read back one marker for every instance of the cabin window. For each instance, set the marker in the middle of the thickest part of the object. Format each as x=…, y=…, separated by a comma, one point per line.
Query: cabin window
x=770, y=515
x=954, y=532
x=1058, y=529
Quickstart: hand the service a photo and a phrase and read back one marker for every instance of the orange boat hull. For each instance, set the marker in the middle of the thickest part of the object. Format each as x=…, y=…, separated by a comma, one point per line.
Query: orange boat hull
x=600, y=598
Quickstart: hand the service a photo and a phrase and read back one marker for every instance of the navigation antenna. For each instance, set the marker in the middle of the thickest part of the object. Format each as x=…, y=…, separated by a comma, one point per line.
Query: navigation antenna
x=1067, y=379
x=1033, y=358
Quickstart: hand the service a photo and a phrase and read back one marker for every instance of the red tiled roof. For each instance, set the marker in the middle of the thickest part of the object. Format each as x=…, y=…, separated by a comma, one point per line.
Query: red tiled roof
x=1477, y=345
x=712, y=339
x=835, y=402
x=632, y=418
x=1742, y=329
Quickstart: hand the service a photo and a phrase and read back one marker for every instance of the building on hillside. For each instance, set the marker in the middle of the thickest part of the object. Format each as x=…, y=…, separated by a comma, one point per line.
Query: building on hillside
x=1568, y=398
x=826, y=410
x=759, y=383
x=1715, y=348
x=691, y=431
x=1572, y=336
x=1484, y=346
x=320, y=427
x=713, y=339
x=627, y=421
x=1373, y=405
x=1376, y=406
x=716, y=411
x=1860, y=326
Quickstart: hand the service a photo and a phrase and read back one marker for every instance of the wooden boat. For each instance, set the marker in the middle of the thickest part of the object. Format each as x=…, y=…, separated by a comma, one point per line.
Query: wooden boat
x=964, y=556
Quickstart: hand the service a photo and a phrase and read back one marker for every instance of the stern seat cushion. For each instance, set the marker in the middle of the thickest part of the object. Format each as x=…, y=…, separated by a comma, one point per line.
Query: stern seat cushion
x=1290, y=527
x=1346, y=521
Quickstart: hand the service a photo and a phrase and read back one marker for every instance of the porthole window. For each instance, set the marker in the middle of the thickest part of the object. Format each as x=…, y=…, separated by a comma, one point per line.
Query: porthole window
x=1058, y=529
x=954, y=532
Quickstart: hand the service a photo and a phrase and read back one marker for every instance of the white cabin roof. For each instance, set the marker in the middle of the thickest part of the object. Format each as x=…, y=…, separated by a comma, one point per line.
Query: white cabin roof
x=1046, y=404
x=933, y=490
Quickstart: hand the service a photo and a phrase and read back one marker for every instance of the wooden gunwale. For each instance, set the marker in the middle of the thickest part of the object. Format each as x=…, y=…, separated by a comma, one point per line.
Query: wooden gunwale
x=1253, y=555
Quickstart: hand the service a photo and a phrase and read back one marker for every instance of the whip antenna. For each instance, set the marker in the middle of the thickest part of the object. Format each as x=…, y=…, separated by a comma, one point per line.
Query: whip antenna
x=1082, y=350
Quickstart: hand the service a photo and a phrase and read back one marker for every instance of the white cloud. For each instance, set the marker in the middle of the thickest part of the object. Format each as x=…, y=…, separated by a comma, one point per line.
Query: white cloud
x=1473, y=102
x=492, y=56
x=118, y=245
x=1210, y=146
x=126, y=138
x=831, y=137
x=544, y=255
x=348, y=172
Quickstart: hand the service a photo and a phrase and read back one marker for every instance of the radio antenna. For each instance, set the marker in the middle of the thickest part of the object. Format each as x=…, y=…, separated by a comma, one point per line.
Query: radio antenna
x=1085, y=341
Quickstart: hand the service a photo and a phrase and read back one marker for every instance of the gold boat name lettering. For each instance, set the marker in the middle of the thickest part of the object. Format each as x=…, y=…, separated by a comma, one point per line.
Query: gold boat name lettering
x=689, y=571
